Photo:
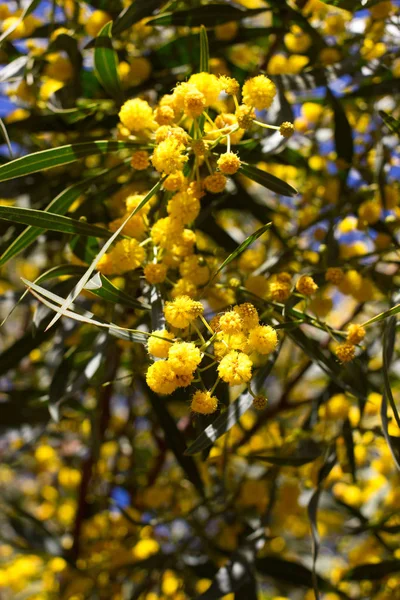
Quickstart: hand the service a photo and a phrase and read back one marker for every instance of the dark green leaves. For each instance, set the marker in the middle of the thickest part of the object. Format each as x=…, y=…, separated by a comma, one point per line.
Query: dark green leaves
x=175, y=442
x=226, y=420
x=267, y=180
x=312, y=513
x=134, y=12
x=209, y=16
x=247, y=242
x=373, y=571
x=306, y=451
x=106, y=64
x=55, y=157
x=50, y=221
x=204, y=51
x=343, y=132
x=58, y=206
x=388, y=349
x=391, y=123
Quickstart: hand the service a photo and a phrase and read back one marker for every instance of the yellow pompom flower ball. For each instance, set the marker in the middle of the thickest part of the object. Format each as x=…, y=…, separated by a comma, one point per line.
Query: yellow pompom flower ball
x=184, y=207
x=230, y=322
x=248, y=315
x=161, y=378
x=259, y=402
x=355, y=333
x=194, y=103
x=208, y=84
x=334, y=275
x=203, y=403
x=228, y=163
x=158, y=344
x=263, y=339
x=184, y=357
x=215, y=183
x=182, y=311
x=345, y=352
x=155, y=273
x=96, y=22
x=140, y=160
x=168, y=156
x=235, y=368
x=306, y=285
x=136, y=115
x=259, y=92
x=125, y=256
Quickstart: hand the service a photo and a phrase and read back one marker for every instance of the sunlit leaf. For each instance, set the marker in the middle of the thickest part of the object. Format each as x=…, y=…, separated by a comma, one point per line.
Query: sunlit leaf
x=55, y=157
x=106, y=63
x=50, y=221
x=267, y=180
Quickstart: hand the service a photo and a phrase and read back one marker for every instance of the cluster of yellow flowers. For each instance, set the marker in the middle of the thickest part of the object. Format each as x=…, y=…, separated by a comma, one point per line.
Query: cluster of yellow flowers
x=239, y=344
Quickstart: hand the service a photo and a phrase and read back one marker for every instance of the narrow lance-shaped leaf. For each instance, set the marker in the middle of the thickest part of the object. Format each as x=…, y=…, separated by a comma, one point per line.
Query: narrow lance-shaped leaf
x=6, y=138
x=312, y=514
x=252, y=238
x=106, y=64
x=81, y=284
x=391, y=123
x=59, y=206
x=387, y=349
x=175, y=441
x=343, y=131
x=53, y=301
x=27, y=11
x=209, y=16
x=14, y=69
x=50, y=221
x=204, y=51
x=384, y=315
x=226, y=420
x=134, y=12
x=267, y=180
x=55, y=157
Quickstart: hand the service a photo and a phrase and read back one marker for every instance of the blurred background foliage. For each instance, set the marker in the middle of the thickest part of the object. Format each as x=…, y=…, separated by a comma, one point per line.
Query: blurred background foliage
x=109, y=491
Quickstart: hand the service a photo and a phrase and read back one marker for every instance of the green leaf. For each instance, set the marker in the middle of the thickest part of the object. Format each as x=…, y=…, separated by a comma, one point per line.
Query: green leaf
x=6, y=138
x=204, y=51
x=391, y=123
x=59, y=206
x=14, y=69
x=106, y=64
x=252, y=238
x=209, y=16
x=267, y=180
x=343, y=132
x=349, y=443
x=387, y=349
x=109, y=292
x=134, y=12
x=175, y=441
x=306, y=452
x=288, y=572
x=373, y=571
x=27, y=11
x=384, y=315
x=226, y=420
x=85, y=278
x=54, y=301
x=54, y=157
x=312, y=510
x=50, y=221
